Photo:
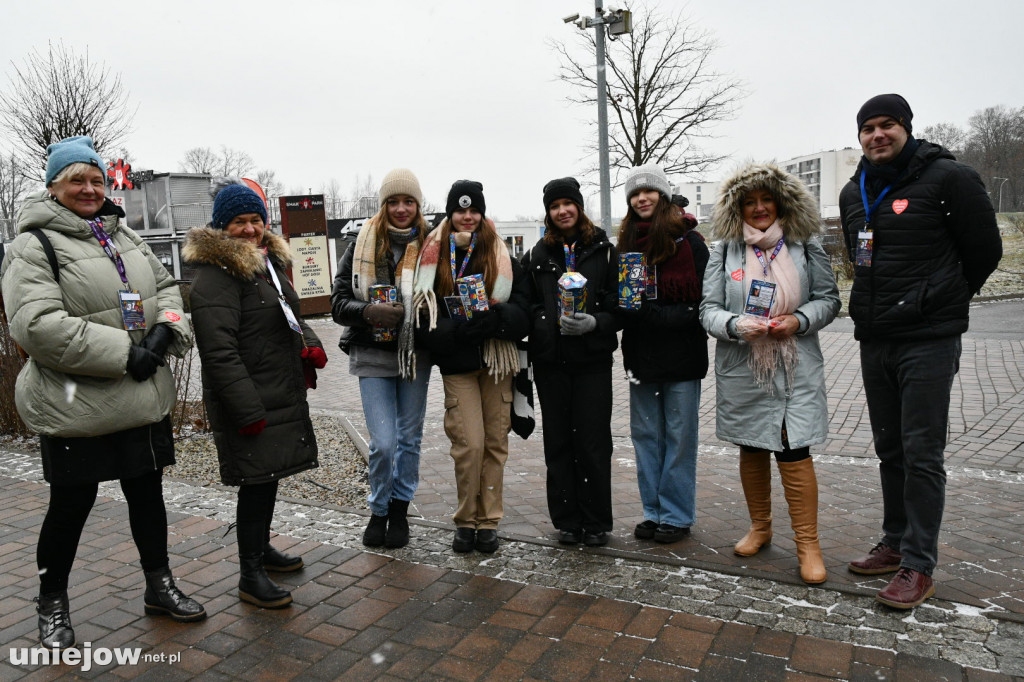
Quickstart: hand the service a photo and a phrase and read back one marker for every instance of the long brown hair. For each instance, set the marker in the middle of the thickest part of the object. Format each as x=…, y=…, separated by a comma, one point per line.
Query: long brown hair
x=666, y=226
x=482, y=259
x=584, y=226
x=379, y=220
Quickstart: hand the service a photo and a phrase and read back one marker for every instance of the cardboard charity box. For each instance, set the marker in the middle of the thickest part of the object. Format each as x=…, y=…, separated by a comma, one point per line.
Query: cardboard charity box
x=572, y=293
x=383, y=293
x=632, y=279
x=473, y=293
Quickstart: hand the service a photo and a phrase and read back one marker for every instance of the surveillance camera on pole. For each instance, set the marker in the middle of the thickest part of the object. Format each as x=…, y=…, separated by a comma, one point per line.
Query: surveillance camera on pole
x=617, y=23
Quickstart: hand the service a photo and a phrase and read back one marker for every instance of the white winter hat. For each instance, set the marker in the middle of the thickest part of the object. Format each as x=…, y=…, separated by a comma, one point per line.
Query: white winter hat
x=647, y=176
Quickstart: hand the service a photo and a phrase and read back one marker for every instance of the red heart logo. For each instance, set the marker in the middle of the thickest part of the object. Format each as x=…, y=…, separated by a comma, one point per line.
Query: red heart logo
x=737, y=275
x=900, y=205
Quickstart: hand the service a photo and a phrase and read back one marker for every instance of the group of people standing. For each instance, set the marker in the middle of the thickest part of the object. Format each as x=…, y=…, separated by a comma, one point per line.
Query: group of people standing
x=98, y=316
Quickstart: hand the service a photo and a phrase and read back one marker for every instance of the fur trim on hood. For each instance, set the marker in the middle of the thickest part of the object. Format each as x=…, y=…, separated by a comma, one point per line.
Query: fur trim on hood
x=239, y=258
x=798, y=211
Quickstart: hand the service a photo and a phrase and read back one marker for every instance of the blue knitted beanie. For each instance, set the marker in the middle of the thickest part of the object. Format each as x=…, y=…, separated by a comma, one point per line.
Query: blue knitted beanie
x=77, y=149
x=234, y=200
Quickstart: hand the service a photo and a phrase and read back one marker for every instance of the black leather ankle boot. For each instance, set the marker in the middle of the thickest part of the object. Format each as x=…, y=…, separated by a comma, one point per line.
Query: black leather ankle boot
x=254, y=586
x=398, y=524
x=163, y=598
x=55, y=620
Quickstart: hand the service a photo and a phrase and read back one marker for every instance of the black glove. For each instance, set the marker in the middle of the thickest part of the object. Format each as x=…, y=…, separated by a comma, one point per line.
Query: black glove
x=475, y=329
x=158, y=340
x=142, y=363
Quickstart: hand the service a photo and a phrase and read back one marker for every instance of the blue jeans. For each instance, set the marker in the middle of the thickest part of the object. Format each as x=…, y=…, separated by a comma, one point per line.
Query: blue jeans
x=663, y=424
x=394, y=411
x=907, y=384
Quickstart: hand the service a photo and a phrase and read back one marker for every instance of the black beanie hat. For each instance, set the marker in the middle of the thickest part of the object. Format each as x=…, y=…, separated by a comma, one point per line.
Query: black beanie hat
x=465, y=194
x=562, y=188
x=886, y=105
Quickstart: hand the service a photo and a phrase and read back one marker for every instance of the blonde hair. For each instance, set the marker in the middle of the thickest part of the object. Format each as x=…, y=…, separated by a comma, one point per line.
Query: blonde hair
x=73, y=171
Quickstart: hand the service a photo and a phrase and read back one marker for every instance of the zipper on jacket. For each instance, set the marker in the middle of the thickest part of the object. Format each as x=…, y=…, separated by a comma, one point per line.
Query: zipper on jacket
x=152, y=450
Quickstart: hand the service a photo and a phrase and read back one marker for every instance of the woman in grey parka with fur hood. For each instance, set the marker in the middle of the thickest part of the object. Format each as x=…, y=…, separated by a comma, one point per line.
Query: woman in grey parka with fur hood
x=768, y=290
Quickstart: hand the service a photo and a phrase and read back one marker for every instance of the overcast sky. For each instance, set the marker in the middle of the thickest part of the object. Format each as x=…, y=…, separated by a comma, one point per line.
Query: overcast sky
x=465, y=89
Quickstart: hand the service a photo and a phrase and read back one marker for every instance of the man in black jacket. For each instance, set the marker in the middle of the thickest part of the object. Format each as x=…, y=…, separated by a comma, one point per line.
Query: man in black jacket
x=922, y=233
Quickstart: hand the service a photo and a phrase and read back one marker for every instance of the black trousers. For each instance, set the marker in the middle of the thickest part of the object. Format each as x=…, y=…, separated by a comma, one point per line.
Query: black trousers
x=256, y=504
x=908, y=384
x=577, y=412
x=65, y=518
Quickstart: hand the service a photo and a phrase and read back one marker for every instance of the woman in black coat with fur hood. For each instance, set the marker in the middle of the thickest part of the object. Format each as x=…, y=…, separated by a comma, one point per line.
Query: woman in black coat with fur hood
x=258, y=357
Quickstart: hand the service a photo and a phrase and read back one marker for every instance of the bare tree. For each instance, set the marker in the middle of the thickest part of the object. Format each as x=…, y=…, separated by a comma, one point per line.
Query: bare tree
x=235, y=162
x=200, y=160
x=58, y=94
x=663, y=92
x=333, y=200
x=13, y=185
x=363, y=202
x=949, y=135
x=267, y=179
x=995, y=148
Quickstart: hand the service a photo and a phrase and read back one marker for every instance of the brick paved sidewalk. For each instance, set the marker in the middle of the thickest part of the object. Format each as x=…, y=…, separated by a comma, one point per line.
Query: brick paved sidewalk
x=981, y=559
x=362, y=616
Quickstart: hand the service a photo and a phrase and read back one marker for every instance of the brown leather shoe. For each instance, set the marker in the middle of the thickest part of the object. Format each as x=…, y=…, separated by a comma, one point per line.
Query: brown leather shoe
x=907, y=589
x=881, y=559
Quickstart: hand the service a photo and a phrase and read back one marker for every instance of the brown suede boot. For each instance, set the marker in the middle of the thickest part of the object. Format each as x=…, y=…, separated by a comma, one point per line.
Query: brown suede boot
x=801, y=486
x=756, y=477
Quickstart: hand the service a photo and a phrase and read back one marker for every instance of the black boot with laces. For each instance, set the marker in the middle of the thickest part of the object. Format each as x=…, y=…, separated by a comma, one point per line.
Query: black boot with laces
x=55, y=620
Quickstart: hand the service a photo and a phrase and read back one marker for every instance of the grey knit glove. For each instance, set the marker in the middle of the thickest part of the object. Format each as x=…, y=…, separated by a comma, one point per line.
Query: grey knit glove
x=578, y=324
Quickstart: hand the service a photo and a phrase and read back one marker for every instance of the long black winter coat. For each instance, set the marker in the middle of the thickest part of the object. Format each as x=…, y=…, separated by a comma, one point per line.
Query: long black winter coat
x=451, y=351
x=665, y=341
x=252, y=366
x=935, y=244
x=599, y=263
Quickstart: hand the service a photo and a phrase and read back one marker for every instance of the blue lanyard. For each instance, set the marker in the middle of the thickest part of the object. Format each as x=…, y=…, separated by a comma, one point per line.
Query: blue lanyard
x=864, y=197
x=760, y=255
x=570, y=256
x=465, y=261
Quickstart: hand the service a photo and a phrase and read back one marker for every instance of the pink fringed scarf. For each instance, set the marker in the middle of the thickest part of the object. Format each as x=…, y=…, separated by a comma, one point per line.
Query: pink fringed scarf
x=768, y=352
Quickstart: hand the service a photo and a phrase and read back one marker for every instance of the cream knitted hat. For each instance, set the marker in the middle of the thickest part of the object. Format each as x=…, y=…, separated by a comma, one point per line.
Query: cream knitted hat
x=400, y=181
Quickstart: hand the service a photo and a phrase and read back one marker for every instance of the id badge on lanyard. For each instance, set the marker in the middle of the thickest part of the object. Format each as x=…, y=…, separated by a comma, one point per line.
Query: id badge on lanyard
x=866, y=237
x=759, y=298
x=289, y=314
x=132, y=313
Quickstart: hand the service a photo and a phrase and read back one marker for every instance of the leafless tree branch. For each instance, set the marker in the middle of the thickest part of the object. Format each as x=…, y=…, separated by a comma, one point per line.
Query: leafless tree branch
x=58, y=94
x=664, y=95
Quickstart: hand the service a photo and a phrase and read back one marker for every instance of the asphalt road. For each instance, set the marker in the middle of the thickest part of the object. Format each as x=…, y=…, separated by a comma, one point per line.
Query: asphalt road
x=989, y=320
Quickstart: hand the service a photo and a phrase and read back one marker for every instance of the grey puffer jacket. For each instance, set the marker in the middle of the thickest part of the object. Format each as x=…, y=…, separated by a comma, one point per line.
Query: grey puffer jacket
x=747, y=414
x=75, y=382
x=252, y=366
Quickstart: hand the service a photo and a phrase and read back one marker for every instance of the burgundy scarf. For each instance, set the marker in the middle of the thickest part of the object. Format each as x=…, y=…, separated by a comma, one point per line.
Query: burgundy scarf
x=677, y=277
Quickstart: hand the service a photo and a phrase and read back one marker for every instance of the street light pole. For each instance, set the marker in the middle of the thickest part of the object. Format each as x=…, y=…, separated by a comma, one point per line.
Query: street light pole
x=602, y=121
x=616, y=22
x=1001, y=192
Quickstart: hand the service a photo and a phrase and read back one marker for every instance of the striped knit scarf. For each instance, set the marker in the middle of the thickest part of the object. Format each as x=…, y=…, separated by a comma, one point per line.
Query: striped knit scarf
x=500, y=356
x=366, y=272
